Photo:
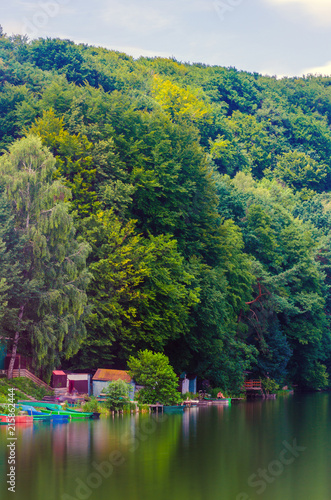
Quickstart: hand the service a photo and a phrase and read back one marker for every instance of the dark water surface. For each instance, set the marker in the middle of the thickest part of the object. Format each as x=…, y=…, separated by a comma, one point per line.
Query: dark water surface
x=269, y=450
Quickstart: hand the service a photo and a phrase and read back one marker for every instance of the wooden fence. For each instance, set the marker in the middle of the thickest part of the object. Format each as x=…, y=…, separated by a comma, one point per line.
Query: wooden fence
x=253, y=385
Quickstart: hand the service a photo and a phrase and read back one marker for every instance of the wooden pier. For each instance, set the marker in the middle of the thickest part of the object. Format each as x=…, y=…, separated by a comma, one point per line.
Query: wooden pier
x=155, y=408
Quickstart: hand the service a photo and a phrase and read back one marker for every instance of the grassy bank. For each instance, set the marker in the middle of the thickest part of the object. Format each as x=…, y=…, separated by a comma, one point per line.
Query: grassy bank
x=24, y=387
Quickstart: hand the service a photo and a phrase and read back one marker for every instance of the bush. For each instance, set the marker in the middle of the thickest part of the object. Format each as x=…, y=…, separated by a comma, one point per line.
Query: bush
x=143, y=408
x=190, y=395
x=153, y=371
x=269, y=385
x=117, y=395
x=215, y=391
x=92, y=405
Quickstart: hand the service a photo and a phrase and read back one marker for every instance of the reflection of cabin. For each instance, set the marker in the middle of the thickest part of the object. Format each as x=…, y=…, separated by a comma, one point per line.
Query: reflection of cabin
x=103, y=377
x=253, y=388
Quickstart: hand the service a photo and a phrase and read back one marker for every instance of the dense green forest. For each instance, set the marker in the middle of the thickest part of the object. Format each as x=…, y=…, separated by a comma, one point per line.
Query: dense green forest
x=153, y=204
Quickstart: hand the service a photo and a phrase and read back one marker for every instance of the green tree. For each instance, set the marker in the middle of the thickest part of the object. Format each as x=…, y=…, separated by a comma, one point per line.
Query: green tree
x=140, y=292
x=117, y=394
x=53, y=300
x=74, y=164
x=11, y=271
x=298, y=170
x=153, y=371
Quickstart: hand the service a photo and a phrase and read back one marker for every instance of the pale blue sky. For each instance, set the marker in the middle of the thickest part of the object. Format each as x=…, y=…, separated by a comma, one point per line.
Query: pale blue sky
x=275, y=37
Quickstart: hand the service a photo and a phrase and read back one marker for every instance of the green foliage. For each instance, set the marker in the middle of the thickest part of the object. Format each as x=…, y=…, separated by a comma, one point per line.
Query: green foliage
x=269, y=385
x=73, y=161
x=299, y=171
x=24, y=387
x=156, y=375
x=30, y=388
x=51, y=299
x=140, y=291
x=92, y=405
x=203, y=193
x=117, y=395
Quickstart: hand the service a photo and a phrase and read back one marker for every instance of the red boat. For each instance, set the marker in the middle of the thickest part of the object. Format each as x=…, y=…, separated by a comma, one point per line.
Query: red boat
x=19, y=419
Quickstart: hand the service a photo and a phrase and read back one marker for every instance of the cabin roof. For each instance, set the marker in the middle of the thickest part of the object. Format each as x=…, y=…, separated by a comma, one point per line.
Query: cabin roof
x=58, y=372
x=111, y=375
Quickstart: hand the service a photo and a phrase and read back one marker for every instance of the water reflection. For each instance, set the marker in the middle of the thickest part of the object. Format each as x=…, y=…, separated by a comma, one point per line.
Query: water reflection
x=204, y=453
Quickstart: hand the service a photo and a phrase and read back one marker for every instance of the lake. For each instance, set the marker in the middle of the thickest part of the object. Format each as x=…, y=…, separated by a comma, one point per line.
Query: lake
x=269, y=450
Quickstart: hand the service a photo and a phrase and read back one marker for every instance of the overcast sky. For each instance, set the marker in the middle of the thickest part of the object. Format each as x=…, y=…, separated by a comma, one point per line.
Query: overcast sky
x=275, y=37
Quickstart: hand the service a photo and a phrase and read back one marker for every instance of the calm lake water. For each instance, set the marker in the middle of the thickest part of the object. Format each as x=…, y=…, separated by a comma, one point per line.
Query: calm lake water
x=269, y=450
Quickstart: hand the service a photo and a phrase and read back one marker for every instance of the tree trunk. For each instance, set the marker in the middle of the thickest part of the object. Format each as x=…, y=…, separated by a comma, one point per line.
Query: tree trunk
x=15, y=344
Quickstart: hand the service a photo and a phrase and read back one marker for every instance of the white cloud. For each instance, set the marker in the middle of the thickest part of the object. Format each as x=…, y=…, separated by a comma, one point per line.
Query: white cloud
x=148, y=17
x=137, y=51
x=320, y=9
x=13, y=28
x=142, y=19
x=319, y=70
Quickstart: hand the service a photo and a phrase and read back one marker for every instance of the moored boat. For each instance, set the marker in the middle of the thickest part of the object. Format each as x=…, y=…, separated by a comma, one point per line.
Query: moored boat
x=55, y=409
x=19, y=419
x=173, y=409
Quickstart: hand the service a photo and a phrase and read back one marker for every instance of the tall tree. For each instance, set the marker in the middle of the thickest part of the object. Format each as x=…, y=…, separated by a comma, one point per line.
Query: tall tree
x=52, y=302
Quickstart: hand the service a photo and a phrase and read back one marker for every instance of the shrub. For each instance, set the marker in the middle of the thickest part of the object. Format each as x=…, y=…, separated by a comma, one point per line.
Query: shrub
x=92, y=405
x=117, y=395
x=156, y=375
x=269, y=385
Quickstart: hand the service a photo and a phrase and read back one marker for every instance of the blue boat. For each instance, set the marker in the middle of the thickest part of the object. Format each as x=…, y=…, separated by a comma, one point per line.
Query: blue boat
x=39, y=415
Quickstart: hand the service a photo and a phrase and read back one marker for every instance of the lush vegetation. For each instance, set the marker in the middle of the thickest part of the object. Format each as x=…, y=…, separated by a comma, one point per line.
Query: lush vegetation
x=150, y=204
x=117, y=395
x=154, y=373
x=24, y=387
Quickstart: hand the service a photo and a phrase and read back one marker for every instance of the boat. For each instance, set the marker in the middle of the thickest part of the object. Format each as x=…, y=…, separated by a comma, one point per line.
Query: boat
x=223, y=401
x=41, y=404
x=55, y=409
x=37, y=415
x=218, y=401
x=173, y=409
x=19, y=419
x=72, y=414
x=59, y=419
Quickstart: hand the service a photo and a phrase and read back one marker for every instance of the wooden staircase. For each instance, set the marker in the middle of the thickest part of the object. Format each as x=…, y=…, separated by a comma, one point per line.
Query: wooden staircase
x=26, y=373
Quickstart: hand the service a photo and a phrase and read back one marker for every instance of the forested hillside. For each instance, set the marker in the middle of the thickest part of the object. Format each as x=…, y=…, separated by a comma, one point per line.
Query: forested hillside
x=154, y=204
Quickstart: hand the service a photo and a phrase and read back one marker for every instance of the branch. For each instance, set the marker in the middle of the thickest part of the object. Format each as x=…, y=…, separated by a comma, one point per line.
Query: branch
x=258, y=297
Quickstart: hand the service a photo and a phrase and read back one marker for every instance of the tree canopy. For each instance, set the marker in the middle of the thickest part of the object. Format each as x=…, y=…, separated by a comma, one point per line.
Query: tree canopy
x=155, y=205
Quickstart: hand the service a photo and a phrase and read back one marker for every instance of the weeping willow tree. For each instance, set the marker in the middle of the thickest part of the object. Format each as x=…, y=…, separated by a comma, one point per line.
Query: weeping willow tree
x=45, y=310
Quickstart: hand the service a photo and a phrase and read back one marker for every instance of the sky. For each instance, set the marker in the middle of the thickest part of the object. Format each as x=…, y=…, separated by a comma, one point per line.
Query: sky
x=274, y=37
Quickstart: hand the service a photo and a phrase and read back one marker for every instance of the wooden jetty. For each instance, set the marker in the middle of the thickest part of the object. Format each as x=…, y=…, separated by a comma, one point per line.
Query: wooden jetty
x=155, y=408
